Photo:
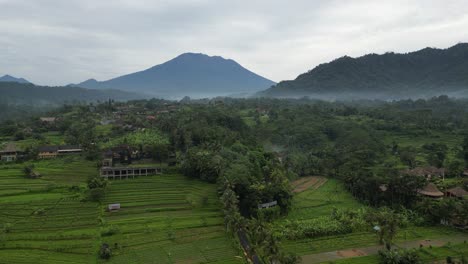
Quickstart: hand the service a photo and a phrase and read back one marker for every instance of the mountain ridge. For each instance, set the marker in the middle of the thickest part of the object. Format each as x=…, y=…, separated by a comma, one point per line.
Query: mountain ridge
x=9, y=78
x=14, y=93
x=423, y=73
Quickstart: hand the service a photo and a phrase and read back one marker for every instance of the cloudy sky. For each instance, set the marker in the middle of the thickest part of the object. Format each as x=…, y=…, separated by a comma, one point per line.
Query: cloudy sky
x=56, y=42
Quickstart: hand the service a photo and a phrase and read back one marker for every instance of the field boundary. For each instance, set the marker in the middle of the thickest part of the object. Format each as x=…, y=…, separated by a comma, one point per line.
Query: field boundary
x=309, y=182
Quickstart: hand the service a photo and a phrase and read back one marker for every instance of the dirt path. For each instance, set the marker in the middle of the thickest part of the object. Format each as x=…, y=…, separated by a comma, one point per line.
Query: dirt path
x=305, y=183
x=372, y=250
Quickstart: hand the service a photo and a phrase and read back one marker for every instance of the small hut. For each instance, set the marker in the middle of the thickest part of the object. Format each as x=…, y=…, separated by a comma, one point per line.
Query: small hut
x=430, y=190
x=113, y=207
x=457, y=192
x=10, y=152
x=427, y=172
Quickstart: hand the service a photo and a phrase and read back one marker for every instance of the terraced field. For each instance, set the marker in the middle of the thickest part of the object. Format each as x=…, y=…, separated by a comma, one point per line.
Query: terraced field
x=164, y=219
x=167, y=219
x=41, y=220
x=305, y=183
x=320, y=199
x=318, y=202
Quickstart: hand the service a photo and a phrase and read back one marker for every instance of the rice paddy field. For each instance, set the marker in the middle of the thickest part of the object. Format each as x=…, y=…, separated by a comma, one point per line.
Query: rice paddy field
x=167, y=219
x=320, y=202
x=163, y=219
x=43, y=221
x=317, y=202
x=428, y=255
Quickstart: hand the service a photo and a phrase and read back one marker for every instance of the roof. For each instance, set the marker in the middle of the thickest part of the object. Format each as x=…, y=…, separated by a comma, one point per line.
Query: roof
x=10, y=147
x=457, y=191
x=69, y=147
x=48, y=149
x=425, y=171
x=113, y=206
x=47, y=119
x=108, y=154
x=383, y=187
x=431, y=190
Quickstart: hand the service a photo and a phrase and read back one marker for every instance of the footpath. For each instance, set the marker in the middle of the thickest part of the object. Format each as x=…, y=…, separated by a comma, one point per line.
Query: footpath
x=372, y=250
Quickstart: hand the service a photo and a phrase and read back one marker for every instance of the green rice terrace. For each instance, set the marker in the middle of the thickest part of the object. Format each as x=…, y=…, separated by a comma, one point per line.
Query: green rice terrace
x=163, y=218
x=314, y=207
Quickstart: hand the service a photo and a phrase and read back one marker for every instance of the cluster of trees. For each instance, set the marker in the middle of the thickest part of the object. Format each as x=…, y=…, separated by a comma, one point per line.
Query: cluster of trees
x=215, y=145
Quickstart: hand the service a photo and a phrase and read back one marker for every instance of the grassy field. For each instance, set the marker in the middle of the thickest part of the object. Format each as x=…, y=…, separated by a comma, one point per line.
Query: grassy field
x=164, y=219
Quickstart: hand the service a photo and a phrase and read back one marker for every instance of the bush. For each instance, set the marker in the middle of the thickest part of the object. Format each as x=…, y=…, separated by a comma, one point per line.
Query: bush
x=96, y=194
x=399, y=257
x=105, y=252
x=7, y=227
x=110, y=231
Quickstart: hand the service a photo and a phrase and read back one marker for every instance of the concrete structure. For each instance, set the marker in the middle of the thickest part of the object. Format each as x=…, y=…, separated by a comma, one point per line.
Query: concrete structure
x=267, y=205
x=128, y=172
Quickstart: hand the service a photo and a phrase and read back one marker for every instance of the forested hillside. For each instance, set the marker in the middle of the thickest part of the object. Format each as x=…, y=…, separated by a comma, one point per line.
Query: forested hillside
x=421, y=74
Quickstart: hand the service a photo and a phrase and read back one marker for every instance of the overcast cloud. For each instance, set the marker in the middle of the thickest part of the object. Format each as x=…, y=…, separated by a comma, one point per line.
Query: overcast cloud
x=56, y=42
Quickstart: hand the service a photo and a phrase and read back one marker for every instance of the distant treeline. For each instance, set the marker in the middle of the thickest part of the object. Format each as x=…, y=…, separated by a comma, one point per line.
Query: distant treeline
x=19, y=100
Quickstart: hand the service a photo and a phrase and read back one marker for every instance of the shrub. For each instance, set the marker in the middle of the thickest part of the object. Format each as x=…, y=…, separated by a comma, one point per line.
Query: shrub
x=110, y=231
x=399, y=257
x=105, y=252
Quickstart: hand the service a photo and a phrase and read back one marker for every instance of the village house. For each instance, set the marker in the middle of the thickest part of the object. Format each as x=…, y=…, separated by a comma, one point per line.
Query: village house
x=11, y=153
x=431, y=191
x=427, y=172
x=47, y=152
x=48, y=120
x=121, y=154
x=457, y=192
x=150, y=117
x=107, y=159
x=50, y=152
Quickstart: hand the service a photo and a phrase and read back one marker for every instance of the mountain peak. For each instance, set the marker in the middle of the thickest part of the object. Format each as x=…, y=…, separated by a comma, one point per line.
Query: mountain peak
x=193, y=74
x=200, y=57
x=9, y=78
